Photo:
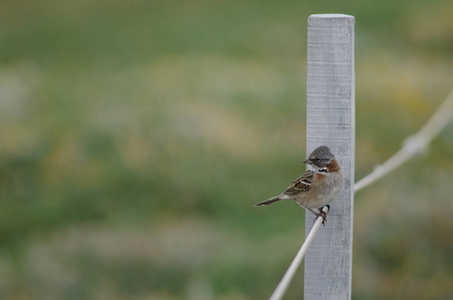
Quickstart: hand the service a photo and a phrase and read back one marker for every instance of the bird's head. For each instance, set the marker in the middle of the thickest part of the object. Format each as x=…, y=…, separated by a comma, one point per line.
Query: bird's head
x=320, y=158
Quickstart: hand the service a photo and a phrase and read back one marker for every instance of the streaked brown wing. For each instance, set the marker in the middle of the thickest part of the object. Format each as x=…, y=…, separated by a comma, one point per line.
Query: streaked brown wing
x=301, y=184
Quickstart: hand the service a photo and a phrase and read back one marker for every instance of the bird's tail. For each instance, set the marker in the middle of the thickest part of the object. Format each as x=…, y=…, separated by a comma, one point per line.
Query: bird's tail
x=269, y=201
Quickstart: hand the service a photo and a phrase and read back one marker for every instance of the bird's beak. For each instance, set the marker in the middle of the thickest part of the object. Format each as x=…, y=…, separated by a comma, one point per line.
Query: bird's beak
x=307, y=161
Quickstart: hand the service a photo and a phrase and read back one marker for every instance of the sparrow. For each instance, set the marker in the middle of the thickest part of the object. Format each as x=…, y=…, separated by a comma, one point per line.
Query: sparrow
x=317, y=187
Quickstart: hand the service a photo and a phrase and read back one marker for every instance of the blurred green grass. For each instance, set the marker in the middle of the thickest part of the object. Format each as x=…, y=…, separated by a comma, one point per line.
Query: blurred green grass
x=136, y=137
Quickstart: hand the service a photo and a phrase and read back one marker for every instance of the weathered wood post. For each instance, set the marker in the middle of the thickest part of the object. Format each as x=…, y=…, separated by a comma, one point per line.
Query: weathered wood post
x=330, y=122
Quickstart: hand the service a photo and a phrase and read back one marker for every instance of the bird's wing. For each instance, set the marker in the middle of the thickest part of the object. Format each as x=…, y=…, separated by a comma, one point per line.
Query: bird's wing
x=301, y=184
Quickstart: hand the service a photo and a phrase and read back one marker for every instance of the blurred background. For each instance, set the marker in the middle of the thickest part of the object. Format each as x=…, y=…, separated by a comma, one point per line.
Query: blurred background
x=136, y=136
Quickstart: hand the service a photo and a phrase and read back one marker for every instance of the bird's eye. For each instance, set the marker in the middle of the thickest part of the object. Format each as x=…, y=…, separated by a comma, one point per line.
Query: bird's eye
x=317, y=159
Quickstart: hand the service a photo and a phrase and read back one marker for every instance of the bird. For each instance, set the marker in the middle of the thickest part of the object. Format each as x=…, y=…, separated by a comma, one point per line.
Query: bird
x=317, y=187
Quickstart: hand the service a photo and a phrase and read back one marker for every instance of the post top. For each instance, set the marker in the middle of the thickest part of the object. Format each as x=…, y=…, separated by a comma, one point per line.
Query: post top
x=331, y=16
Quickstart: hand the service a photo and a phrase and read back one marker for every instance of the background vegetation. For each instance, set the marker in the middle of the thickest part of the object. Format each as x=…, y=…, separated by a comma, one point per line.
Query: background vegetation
x=136, y=135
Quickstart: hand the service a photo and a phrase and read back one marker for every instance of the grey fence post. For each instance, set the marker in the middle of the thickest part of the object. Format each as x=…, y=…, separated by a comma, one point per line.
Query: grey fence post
x=331, y=122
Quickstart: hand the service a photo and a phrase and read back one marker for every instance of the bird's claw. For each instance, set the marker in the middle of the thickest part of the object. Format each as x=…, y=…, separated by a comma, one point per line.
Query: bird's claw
x=322, y=214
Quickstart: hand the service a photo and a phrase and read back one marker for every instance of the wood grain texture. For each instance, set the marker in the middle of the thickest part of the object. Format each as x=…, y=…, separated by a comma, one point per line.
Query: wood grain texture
x=330, y=122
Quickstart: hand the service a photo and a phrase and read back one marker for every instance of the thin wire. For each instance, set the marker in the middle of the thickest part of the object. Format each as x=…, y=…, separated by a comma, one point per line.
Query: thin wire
x=413, y=145
x=281, y=288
